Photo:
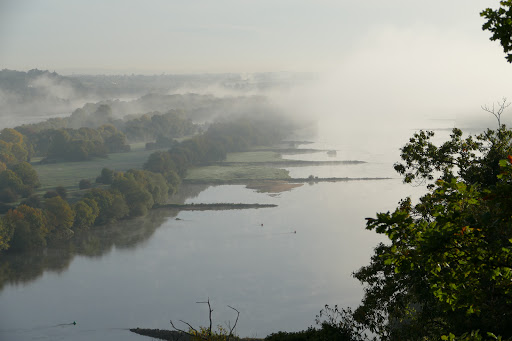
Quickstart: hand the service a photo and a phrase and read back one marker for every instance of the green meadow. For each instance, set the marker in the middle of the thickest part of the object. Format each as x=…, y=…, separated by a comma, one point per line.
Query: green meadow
x=68, y=174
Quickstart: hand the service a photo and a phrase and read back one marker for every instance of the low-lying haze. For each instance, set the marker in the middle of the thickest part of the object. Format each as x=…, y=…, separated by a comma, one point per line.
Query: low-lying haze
x=373, y=58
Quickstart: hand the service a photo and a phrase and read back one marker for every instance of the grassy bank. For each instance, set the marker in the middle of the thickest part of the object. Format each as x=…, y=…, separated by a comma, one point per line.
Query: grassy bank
x=68, y=174
x=242, y=167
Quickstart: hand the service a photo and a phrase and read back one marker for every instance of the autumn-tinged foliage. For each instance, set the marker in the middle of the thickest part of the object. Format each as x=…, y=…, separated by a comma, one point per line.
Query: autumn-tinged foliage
x=30, y=228
x=448, y=266
x=17, y=177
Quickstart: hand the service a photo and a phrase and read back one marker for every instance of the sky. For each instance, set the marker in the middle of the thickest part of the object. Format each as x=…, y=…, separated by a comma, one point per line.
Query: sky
x=374, y=57
x=205, y=36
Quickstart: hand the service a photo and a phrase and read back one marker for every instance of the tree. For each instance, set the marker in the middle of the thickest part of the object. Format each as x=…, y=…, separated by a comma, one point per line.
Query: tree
x=154, y=183
x=59, y=144
x=138, y=199
x=159, y=162
x=30, y=228
x=106, y=177
x=59, y=213
x=448, y=268
x=33, y=201
x=111, y=205
x=472, y=160
x=86, y=211
x=499, y=23
x=62, y=192
x=27, y=174
x=19, y=152
x=6, y=232
x=84, y=184
x=50, y=194
x=11, y=136
x=10, y=182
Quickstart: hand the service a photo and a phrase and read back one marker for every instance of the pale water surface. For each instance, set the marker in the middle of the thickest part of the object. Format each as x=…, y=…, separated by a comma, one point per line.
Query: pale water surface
x=147, y=271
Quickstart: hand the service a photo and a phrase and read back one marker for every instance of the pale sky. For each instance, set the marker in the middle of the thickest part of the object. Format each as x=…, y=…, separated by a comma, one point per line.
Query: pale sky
x=388, y=60
x=191, y=36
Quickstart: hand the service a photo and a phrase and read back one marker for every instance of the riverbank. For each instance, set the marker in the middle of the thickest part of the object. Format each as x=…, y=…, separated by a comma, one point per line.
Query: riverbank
x=171, y=335
x=213, y=207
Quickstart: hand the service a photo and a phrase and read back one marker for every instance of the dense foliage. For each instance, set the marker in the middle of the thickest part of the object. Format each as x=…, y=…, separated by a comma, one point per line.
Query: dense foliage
x=448, y=267
x=334, y=324
x=66, y=144
x=156, y=126
x=17, y=177
x=83, y=123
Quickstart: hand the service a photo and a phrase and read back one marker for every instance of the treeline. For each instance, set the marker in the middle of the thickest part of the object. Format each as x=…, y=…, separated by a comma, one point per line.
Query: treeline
x=140, y=127
x=154, y=125
x=34, y=224
x=17, y=177
x=58, y=145
x=213, y=145
x=100, y=134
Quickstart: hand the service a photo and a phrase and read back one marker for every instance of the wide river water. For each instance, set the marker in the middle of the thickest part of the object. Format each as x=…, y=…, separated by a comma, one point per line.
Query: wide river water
x=277, y=266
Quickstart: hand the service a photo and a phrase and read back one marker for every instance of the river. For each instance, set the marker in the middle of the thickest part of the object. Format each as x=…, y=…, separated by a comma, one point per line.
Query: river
x=277, y=266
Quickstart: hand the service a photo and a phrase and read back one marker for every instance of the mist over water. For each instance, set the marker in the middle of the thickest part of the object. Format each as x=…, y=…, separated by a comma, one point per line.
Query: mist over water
x=249, y=259
x=278, y=266
x=358, y=77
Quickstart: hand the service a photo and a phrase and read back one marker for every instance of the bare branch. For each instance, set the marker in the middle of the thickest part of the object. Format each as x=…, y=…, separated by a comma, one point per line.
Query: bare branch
x=236, y=321
x=209, y=335
x=187, y=333
x=497, y=112
x=209, y=315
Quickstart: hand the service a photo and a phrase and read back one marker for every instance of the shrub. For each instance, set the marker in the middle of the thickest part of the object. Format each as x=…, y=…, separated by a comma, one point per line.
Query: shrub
x=84, y=184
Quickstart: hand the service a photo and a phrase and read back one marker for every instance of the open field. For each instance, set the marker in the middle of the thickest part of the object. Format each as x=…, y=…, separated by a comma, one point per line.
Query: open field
x=238, y=167
x=68, y=174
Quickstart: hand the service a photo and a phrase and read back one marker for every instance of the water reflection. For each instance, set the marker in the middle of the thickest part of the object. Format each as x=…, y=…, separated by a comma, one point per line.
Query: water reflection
x=24, y=268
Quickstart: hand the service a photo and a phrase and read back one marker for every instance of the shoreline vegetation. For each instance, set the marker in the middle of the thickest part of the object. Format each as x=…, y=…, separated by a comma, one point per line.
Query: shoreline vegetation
x=171, y=335
x=67, y=196
x=37, y=222
x=64, y=186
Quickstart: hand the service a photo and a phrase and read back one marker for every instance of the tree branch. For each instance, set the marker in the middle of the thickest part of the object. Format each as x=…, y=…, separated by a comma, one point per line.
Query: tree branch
x=187, y=333
x=497, y=112
x=209, y=315
x=236, y=321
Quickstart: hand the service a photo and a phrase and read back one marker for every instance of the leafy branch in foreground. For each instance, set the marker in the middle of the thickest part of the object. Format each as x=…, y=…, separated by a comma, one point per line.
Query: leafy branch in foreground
x=335, y=325
x=499, y=23
x=448, y=269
